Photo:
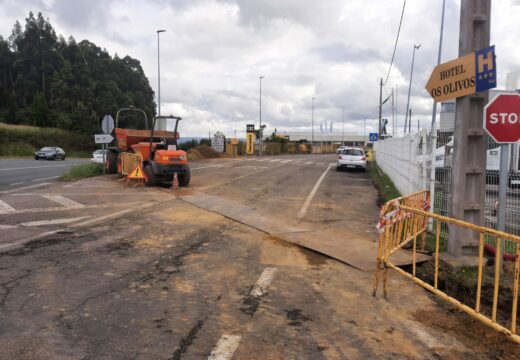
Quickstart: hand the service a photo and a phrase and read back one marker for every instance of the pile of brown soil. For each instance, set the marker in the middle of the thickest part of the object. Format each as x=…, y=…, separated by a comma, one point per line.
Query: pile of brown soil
x=204, y=152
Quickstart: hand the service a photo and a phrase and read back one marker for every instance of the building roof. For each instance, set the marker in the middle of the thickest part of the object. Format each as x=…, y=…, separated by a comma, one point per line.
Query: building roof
x=335, y=137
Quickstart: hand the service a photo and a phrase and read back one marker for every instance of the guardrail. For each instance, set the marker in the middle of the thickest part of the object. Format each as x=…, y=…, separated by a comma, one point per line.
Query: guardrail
x=405, y=219
x=129, y=161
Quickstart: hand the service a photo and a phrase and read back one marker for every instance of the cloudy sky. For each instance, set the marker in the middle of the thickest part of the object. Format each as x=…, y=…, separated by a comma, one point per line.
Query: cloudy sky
x=213, y=52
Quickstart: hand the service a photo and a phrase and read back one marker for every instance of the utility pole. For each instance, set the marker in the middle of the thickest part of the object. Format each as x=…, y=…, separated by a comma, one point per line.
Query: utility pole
x=409, y=121
x=159, y=75
x=342, y=126
x=380, y=106
x=312, y=123
x=396, y=108
x=365, y=132
x=261, y=141
x=433, y=131
x=393, y=114
x=470, y=140
x=415, y=47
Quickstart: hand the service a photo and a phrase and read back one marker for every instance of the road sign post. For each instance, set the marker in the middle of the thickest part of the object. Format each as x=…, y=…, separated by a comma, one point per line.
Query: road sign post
x=107, y=126
x=502, y=122
x=103, y=139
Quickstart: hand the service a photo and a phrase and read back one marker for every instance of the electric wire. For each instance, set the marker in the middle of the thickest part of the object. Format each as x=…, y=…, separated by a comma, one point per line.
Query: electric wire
x=395, y=45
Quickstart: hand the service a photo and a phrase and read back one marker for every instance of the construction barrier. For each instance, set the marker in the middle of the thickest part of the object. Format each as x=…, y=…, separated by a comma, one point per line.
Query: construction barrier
x=406, y=219
x=129, y=162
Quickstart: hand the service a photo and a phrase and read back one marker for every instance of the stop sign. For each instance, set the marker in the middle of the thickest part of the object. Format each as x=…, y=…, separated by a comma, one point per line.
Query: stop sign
x=502, y=118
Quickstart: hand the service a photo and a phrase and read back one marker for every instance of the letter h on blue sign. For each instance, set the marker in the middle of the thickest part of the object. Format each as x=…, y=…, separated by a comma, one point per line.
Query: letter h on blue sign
x=486, y=69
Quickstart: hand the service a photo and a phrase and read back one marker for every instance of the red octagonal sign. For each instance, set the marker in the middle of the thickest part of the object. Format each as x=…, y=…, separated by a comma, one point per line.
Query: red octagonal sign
x=502, y=118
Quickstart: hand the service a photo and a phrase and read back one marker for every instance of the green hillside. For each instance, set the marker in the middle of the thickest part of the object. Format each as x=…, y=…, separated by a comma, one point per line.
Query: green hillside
x=23, y=140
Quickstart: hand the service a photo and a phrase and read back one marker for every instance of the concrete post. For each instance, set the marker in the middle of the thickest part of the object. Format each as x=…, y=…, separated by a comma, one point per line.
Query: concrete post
x=470, y=140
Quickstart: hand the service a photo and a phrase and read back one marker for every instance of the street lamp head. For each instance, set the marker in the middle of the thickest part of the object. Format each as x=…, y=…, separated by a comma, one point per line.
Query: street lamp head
x=261, y=77
x=417, y=46
x=160, y=31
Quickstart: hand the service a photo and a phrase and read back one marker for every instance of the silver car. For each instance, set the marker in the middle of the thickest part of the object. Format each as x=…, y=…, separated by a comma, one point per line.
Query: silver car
x=49, y=153
x=351, y=158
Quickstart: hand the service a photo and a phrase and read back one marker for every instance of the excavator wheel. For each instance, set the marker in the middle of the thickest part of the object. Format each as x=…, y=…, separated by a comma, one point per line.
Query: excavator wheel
x=185, y=178
x=151, y=179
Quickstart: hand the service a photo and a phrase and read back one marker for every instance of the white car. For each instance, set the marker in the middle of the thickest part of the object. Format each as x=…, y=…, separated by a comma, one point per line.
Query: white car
x=352, y=158
x=340, y=149
x=97, y=156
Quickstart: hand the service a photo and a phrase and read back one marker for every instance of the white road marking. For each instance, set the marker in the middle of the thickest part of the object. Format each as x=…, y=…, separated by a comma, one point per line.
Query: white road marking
x=17, y=183
x=5, y=207
x=34, y=167
x=47, y=178
x=251, y=167
x=53, y=222
x=274, y=160
x=23, y=188
x=61, y=208
x=225, y=347
x=263, y=282
x=309, y=162
x=307, y=202
x=286, y=161
x=114, y=215
x=71, y=204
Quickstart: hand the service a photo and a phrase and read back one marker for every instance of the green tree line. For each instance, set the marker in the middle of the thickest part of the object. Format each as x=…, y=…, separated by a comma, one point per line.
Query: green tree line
x=49, y=81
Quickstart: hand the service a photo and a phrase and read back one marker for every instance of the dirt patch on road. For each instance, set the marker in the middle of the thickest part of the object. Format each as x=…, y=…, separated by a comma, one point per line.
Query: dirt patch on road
x=462, y=285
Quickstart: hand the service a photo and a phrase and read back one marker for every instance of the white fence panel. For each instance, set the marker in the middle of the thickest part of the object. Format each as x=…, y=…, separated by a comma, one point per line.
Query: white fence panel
x=401, y=159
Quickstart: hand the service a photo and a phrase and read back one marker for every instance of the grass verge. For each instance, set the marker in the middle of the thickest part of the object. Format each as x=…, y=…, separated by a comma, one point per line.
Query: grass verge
x=82, y=171
x=385, y=186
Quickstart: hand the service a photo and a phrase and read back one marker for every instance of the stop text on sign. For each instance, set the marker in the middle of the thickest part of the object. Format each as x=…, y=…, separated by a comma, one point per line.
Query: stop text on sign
x=466, y=75
x=502, y=118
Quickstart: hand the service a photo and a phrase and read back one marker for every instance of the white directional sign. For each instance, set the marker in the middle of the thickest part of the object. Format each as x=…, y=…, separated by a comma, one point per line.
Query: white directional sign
x=107, y=124
x=217, y=142
x=103, y=138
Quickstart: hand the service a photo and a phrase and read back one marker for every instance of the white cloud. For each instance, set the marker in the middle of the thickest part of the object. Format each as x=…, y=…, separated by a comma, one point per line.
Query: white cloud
x=214, y=50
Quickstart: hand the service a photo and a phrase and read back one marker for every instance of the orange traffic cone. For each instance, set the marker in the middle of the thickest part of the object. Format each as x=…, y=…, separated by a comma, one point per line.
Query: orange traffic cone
x=175, y=183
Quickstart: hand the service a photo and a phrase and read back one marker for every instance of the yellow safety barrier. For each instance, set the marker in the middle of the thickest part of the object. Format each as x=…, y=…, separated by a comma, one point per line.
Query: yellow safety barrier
x=129, y=161
x=405, y=219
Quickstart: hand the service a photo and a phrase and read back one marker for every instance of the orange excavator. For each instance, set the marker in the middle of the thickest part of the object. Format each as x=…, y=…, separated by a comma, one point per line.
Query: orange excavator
x=158, y=148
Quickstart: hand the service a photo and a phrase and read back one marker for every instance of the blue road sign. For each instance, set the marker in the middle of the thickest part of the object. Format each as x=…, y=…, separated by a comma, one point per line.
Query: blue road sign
x=373, y=136
x=485, y=69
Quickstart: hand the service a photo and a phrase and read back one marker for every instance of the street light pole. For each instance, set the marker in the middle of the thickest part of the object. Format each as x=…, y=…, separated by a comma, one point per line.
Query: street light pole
x=261, y=132
x=342, y=126
x=312, y=124
x=415, y=47
x=158, y=75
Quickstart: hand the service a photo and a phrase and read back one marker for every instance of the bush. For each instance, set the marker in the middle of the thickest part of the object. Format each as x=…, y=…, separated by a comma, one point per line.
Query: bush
x=82, y=171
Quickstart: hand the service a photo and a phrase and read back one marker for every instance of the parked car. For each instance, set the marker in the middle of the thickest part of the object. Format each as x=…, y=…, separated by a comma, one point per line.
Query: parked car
x=352, y=158
x=340, y=149
x=97, y=156
x=49, y=153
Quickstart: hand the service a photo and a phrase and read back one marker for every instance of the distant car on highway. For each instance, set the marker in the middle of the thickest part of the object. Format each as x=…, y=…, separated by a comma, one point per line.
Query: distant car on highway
x=97, y=156
x=49, y=153
x=352, y=158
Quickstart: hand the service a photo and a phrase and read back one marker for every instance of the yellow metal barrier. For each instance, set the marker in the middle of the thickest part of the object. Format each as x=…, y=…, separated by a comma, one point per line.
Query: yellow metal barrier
x=129, y=161
x=404, y=219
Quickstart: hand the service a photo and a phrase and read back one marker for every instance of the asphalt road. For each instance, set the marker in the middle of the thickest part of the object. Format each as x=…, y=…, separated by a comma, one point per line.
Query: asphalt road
x=99, y=269
x=16, y=173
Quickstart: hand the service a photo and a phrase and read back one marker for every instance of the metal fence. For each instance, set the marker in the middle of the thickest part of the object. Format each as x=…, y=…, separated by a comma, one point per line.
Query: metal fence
x=406, y=160
x=404, y=223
